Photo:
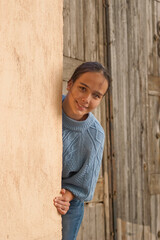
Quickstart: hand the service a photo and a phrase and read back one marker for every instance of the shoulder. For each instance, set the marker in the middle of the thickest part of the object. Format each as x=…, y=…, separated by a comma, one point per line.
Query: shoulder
x=96, y=125
x=96, y=131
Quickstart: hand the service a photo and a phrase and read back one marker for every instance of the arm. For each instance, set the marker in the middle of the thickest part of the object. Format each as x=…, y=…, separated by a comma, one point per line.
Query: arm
x=62, y=203
x=82, y=184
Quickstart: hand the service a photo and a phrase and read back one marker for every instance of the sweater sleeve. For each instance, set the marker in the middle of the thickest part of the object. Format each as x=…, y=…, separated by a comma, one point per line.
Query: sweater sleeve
x=82, y=184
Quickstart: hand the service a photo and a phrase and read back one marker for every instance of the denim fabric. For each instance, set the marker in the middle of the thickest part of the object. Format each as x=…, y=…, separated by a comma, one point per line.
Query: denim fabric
x=71, y=221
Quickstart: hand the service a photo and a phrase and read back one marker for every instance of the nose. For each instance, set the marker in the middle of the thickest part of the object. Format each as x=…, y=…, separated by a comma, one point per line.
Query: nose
x=86, y=98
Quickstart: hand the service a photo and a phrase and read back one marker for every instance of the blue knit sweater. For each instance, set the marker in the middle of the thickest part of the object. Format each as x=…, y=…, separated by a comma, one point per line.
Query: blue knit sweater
x=83, y=143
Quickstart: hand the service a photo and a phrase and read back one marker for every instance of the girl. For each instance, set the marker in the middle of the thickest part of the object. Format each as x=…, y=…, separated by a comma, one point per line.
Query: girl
x=83, y=141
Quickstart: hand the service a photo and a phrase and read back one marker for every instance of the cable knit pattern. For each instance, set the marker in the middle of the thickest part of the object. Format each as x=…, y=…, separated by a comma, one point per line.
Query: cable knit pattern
x=83, y=143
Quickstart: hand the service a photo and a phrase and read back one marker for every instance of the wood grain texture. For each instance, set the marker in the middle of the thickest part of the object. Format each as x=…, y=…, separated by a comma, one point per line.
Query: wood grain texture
x=30, y=119
x=90, y=30
x=73, y=26
x=100, y=224
x=66, y=28
x=87, y=24
x=93, y=225
x=80, y=30
x=154, y=184
x=154, y=85
x=69, y=66
x=84, y=30
x=154, y=130
x=133, y=57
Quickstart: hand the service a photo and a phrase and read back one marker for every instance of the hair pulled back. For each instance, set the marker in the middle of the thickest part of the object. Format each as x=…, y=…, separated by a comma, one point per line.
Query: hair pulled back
x=91, y=67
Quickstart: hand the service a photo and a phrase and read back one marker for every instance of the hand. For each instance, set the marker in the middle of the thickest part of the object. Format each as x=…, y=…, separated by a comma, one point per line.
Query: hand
x=62, y=203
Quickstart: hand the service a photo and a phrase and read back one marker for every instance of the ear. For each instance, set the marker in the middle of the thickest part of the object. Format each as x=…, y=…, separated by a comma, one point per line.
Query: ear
x=69, y=84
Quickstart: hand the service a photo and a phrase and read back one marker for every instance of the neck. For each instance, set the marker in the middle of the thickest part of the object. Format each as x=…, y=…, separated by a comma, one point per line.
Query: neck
x=69, y=113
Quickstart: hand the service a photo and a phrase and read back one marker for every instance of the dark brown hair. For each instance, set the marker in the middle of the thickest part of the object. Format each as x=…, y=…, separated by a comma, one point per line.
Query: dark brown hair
x=91, y=67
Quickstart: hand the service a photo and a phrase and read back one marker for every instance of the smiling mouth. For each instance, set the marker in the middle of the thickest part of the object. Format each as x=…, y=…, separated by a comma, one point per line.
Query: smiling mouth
x=81, y=107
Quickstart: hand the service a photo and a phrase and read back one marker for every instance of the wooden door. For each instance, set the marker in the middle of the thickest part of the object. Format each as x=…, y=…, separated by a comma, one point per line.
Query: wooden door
x=154, y=122
x=84, y=40
x=135, y=67
x=154, y=154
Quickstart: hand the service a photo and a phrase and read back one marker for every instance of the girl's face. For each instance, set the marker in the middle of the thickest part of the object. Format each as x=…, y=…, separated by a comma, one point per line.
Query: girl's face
x=84, y=95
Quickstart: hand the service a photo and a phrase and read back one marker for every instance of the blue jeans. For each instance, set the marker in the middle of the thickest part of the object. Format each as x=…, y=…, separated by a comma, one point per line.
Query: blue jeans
x=71, y=221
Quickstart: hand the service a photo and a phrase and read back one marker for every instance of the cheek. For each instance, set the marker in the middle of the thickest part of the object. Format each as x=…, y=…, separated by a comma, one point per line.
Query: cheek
x=94, y=104
x=75, y=92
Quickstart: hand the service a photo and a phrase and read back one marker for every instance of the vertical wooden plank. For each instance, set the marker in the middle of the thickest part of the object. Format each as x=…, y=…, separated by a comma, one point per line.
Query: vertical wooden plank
x=73, y=26
x=154, y=58
x=154, y=129
x=153, y=217
x=66, y=28
x=135, y=118
x=100, y=225
x=92, y=221
x=158, y=19
x=79, y=30
x=85, y=223
x=79, y=236
x=153, y=11
x=103, y=123
x=100, y=32
x=120, y=111
x=97, y=27
x=30, y=126
x=154, y=163
x=153, y=125
x=147, y=199
x=106, y=173
x=90, y=31
x=143, y=64
x=158, y=215
x=150, y=34
x=113, y=62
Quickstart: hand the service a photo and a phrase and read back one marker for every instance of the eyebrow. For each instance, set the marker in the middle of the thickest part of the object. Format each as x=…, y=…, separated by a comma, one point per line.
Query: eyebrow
x=89, y=88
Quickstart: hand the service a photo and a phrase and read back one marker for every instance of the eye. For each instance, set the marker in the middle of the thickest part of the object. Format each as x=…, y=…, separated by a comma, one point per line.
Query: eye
x=83, y=89
x=96, y=96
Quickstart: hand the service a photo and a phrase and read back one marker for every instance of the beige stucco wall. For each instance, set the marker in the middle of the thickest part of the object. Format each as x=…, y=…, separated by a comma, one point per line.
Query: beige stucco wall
x=30, y=118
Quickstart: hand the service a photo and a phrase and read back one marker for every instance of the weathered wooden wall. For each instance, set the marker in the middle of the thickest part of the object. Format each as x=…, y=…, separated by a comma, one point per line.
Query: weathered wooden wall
x=30, y=119
x=135, y=67
x=84, y=40
x=132, y=45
